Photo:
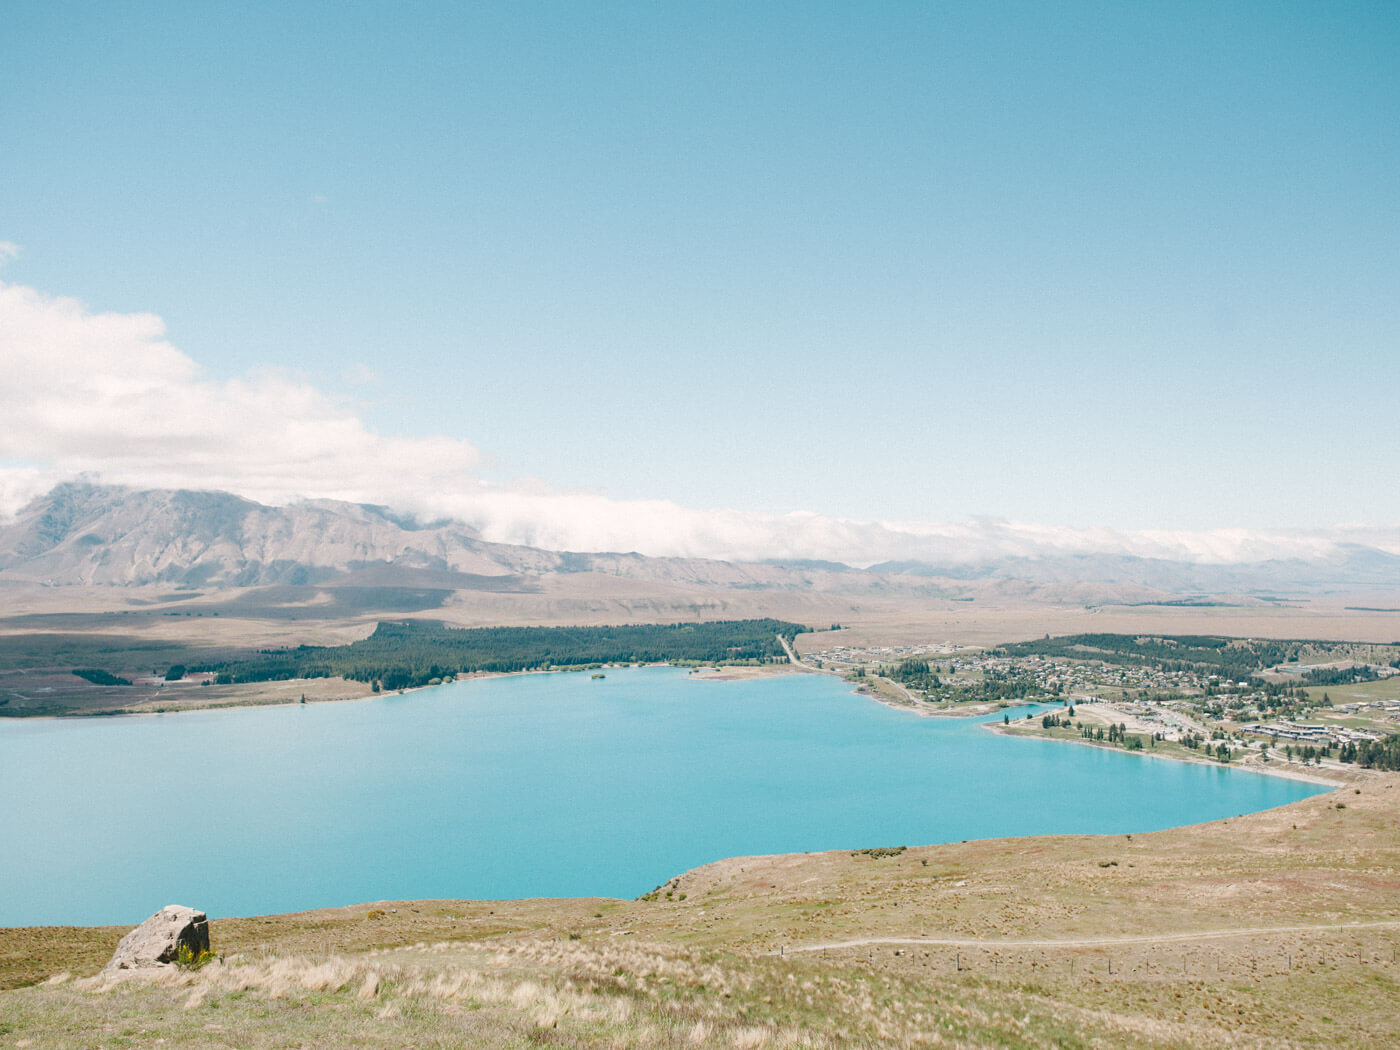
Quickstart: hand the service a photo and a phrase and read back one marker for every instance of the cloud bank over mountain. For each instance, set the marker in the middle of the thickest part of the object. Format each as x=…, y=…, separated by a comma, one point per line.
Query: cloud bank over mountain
x=106, y=396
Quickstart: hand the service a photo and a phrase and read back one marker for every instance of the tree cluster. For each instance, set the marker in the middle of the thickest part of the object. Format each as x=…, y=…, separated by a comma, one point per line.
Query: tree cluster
x=97, y=676
x=412, y=653
x=1340, y=675
x=1233, y=659
x=1374, y=754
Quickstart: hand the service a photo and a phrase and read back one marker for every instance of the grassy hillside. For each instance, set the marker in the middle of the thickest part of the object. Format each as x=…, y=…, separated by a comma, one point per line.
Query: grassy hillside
x=1277, y=929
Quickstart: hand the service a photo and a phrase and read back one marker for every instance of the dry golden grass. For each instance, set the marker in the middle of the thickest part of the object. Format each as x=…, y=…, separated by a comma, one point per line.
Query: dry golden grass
x=1277, y=929
x=991, y=622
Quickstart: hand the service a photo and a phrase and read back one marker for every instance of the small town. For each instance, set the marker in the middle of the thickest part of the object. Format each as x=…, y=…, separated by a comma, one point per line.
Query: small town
x=1277, y=713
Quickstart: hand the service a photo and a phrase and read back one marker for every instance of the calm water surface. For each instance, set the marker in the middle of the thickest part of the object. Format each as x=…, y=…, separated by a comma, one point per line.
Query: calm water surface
x=538, y=785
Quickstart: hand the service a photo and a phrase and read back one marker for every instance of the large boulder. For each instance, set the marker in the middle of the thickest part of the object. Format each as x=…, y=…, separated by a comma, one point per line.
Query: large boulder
x=157, y=941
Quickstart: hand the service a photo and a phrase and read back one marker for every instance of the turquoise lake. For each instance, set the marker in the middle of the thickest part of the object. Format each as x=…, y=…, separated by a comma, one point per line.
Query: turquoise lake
x=535, y=785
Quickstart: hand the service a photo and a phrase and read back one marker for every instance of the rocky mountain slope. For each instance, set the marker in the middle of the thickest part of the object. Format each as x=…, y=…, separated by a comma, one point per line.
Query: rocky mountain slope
x=96, y=535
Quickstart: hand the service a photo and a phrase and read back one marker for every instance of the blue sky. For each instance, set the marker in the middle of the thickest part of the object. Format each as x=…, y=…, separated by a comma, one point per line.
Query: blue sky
x=1133, y=266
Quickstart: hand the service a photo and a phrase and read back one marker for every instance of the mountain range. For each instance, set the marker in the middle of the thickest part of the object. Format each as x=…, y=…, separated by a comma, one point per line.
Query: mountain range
x=85, y=534
x=101, y=535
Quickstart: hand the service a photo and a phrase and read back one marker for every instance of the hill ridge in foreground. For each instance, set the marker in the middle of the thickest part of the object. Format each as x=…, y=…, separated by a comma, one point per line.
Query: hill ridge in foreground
x=1280, y=928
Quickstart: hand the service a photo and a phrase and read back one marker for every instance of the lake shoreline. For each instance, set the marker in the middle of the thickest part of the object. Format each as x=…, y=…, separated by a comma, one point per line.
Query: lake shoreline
x=705, y=673
x=978, y=710
x=723, y=673
x=1253, y=767
x=540, y=785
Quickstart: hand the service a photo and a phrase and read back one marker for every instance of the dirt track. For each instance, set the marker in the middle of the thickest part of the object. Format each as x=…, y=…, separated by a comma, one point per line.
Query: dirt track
x=1093, y=942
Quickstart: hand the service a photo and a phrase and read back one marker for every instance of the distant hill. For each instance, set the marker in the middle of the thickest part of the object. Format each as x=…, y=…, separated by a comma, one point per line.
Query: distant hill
x=98, y=535
x=1349, y=566
x=82, y=534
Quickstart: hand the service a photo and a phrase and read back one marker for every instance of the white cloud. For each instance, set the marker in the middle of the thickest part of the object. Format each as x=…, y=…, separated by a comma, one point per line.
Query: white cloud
x=8, y=250
x=108, y=396
x=591, y=522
